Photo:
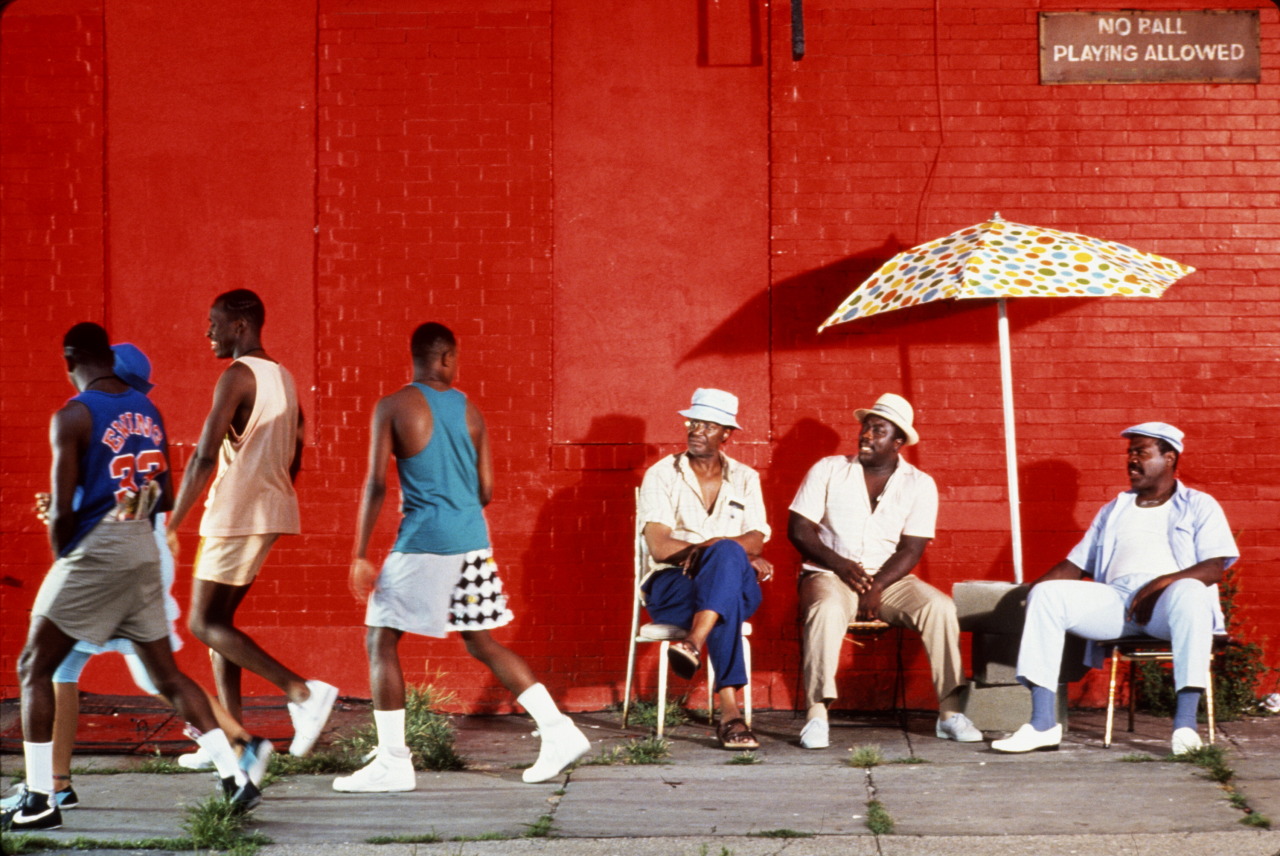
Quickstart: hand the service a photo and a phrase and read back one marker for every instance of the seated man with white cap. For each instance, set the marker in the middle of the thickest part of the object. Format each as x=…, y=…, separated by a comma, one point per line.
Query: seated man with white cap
x=861, y=523
x=704, y=523
x=1154, y=554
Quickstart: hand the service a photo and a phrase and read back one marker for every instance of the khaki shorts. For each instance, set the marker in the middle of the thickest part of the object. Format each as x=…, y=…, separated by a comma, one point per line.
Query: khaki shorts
x=232, y=560
x=108, y=587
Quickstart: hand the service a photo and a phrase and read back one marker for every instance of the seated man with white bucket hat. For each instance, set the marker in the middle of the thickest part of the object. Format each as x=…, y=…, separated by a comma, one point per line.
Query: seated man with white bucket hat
x=703, y=519
x=861, y=523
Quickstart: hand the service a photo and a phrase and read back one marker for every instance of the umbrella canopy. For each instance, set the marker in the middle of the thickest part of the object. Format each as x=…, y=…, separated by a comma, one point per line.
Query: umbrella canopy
x=1002, y=259
x=999, y=259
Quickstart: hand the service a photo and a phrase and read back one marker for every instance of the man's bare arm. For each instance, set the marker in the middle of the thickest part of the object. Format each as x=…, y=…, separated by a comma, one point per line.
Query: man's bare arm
x=666, y=548
x=295, y=466
x=484, y=456
x=1209, y=572
x=1064, y=570
x=68, y=437
x=902, y=562
x=235, y=388
x=803, y=534
x=363, y=572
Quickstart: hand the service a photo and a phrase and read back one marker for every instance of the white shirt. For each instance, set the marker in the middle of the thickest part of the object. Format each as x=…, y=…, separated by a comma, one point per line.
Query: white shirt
x=1142, y=543
x=834, y=496
x=671, y=496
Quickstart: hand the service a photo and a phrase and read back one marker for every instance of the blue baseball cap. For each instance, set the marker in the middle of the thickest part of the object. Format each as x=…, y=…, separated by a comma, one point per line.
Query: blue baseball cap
x=1159, y=430
x=132, y=367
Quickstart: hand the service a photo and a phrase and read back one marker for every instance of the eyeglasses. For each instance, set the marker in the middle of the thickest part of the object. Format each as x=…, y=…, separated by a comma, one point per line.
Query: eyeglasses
x=697, y=426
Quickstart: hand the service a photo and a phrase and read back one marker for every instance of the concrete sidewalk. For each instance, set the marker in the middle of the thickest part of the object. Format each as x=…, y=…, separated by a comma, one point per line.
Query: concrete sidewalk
x=961, y=799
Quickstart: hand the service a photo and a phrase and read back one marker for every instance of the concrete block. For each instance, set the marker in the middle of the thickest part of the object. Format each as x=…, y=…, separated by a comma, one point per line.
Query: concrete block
x=995, y=658
x=1005, y=708
x=986, y=606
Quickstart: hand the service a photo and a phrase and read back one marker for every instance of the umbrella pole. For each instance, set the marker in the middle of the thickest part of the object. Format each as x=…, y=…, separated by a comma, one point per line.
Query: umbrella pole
x=1010, y=442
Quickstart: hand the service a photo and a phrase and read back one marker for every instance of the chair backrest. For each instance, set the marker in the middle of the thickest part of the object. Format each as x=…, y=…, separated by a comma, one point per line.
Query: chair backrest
x=639, y=561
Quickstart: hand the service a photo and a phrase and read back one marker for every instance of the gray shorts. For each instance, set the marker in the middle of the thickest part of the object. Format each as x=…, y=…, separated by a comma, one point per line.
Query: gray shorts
x=109, y=586
x=429, y=594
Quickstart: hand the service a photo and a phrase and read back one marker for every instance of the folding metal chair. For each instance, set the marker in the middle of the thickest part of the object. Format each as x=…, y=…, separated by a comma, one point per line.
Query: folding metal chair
x=664, y=635
x=1135, y=649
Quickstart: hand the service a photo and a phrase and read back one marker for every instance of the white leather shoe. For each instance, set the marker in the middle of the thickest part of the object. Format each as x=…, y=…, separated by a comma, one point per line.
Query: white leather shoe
x=816, y=734
x=959, y=728
x=1027, y=739
x=1185, y=740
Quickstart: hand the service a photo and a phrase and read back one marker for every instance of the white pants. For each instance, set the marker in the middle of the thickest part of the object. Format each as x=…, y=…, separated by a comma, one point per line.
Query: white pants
x=1183, y=615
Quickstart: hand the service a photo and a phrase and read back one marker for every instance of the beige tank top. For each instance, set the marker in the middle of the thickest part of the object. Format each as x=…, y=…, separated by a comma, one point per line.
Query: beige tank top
x=252, y=493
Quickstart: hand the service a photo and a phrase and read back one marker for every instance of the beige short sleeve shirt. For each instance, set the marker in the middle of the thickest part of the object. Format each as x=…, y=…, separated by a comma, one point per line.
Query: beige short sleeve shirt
x=670, y=495
x=834, y=496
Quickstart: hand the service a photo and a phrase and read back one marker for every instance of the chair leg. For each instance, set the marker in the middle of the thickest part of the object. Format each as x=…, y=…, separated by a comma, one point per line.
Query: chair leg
x=662, y=685
x=1208, y=701
x=746, y=691
x=1111, y=699
x=1133, y=692
x=711, y=693
x=900, y=686
x=631, y=670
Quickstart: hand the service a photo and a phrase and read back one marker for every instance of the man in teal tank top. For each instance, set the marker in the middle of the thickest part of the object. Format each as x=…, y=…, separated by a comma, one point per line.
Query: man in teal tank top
x=440, y=575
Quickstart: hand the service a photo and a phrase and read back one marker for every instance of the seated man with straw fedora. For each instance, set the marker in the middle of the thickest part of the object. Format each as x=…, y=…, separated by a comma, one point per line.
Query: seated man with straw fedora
x=703, y=520
x=861, y=523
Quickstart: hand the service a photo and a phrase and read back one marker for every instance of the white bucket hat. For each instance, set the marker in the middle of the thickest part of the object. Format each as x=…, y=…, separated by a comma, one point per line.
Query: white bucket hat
x=897, y=410
x=714, y=405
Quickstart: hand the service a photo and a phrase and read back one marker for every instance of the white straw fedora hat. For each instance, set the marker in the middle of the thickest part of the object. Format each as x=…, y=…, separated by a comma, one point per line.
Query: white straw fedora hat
x=897, y=410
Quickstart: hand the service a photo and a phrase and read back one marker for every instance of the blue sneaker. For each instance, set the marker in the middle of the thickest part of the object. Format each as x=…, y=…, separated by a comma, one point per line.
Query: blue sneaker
x=34, y=811
x=66, y=799
x=255, y=757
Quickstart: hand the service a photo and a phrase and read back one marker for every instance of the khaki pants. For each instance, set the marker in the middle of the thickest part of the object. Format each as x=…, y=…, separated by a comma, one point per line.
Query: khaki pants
x=827, y=606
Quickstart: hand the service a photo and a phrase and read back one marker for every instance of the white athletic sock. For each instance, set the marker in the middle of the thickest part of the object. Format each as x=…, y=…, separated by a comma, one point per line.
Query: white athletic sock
x=39, y=758
x=223, y=756
x=538, y=702
x=390, y=726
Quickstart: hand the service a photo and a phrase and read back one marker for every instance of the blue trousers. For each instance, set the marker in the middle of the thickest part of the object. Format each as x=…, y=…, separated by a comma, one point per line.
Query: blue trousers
x=725, y=583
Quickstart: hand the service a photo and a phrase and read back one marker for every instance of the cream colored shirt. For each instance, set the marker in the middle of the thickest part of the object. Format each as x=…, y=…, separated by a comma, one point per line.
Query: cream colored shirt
x=670, y=495
x=252, y=493
x=834, y=495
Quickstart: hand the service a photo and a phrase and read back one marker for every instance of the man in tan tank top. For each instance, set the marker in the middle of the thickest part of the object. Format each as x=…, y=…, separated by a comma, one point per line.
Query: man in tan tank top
x=253, y=436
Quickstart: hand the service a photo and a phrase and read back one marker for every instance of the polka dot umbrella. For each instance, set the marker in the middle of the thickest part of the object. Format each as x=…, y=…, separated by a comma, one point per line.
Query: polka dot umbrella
x=999, y=259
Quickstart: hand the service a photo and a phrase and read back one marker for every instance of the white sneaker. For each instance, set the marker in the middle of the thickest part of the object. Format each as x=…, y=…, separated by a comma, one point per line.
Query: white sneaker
x=197, y=760
x=816, y=734
x=959, y=728
x=391, y=770
x=1027, y=739
x=1185, y=740
x=310, y=716
x=562, y=744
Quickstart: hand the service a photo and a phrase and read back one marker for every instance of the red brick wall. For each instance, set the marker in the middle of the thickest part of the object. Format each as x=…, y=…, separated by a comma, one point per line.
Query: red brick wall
x=51, y=260
x=457, y=163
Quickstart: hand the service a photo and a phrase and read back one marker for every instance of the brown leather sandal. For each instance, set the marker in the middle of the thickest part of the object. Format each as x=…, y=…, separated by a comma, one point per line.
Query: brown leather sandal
x=684, y=658
x=736, y=734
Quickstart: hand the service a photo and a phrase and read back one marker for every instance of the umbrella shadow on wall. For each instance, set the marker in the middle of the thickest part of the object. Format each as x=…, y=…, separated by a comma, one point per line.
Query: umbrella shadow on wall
x=1050, y=490
x=797, y=305
x=583, y=539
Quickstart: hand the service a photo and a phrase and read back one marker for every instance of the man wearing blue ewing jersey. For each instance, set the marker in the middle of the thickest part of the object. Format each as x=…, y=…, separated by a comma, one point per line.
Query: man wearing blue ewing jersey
x=110, y=477
x=440, y=575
